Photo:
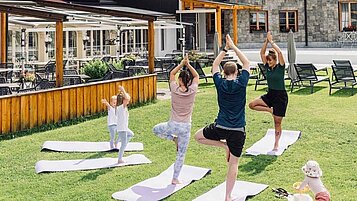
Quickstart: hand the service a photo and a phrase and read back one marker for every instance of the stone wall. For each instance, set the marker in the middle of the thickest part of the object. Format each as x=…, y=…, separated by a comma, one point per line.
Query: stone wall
x=323, y=22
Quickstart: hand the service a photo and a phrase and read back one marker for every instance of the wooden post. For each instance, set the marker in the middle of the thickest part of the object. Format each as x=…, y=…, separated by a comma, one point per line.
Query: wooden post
x=3, y=37
x=183, y=6
x=235, y=26
x=219, y=25
x=59, y=54
x=151, y=45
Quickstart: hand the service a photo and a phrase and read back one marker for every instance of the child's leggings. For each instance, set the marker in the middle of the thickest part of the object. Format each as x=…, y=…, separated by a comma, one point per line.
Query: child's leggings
x=124, y=137
x=167, y=130
x=112, y=130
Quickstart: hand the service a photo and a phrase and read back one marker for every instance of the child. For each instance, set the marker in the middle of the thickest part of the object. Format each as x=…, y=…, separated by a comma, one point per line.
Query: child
x=124, y=133
x=112, y=119
x=313, y=173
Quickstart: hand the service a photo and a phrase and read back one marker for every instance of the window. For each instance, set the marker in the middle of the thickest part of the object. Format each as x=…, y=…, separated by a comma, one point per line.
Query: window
x=258, y=21
x=348, y=16
x=288, y=20
x=33, y=46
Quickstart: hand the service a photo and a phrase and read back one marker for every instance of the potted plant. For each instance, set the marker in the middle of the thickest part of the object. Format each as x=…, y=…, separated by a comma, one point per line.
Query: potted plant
x=95, y=69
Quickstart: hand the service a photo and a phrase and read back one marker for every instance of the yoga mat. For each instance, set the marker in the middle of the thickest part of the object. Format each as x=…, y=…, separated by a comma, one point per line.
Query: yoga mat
x=265, y=145
x=241, y=190
x=88, y=164
x=160, y=187
x=75, y=146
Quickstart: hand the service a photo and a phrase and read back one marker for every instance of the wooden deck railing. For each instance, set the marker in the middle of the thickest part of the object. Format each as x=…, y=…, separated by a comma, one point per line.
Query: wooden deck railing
x=28, y=110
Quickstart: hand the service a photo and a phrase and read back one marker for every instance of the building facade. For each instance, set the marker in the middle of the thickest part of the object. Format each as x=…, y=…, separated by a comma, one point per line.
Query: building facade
x=316, y=23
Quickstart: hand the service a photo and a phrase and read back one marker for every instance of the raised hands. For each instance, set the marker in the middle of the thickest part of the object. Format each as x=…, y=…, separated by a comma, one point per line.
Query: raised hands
x=185, y=61
x=104, y=101
x=269, y=37
x=229, y=42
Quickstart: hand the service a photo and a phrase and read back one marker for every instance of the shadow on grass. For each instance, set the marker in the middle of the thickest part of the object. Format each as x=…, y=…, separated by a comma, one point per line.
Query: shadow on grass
x=307, y=90
x=257, y=164
x=343, y=92
x=94, y=175
x=206, y=85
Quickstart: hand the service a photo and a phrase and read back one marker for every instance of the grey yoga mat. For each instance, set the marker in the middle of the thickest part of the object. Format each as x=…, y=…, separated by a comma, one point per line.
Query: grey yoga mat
x=88, y=164
x=160, y=187
x=76, y=146
x=265, y=145
x=241, y=190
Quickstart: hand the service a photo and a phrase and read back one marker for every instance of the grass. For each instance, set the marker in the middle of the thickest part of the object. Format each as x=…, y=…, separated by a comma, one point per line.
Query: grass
x=328, y=125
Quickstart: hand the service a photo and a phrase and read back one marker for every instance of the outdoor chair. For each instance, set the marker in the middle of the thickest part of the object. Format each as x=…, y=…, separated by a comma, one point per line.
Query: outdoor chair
x=42, y=84
x=165, y=74
x=200, y=71
x=71, y=80
x=142, y=62
x=9, y=75
x=49, y=68
x=117, y=73
x=307, y=73
x=343, y=73
x=261, y=78
x=107, y=76
x=2, y=80
x=106, y=59
x=5, y=91
x=70, y=72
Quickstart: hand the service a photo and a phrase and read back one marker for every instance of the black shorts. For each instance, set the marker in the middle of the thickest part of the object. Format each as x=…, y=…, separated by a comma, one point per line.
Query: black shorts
x=278, y=100
x=235, y=139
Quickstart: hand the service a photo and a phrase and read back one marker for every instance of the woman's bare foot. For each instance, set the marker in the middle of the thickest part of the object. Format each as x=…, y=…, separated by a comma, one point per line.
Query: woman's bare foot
x=175, y=181
x=228, y=199
x=121, y=161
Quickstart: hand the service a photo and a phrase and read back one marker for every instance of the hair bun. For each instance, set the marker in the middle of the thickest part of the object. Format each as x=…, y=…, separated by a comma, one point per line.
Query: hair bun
x=271, y=52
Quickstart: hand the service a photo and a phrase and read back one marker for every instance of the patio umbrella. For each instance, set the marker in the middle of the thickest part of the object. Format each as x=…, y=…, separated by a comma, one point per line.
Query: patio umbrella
x=291, y=56
x=215, y=45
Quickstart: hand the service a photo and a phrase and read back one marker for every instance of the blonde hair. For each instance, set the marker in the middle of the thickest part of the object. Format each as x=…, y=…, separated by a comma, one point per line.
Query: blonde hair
x=229, y=68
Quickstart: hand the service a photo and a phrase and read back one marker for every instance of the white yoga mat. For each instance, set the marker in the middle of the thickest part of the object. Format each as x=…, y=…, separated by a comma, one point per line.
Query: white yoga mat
x=241, y=190
x=160, y=187
x=88, y=164
x=265, y=145
x=75, y=146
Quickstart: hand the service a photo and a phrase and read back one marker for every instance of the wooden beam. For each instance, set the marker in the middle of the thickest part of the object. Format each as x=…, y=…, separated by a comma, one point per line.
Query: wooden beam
x=183, y=6
x=3, y=37
x=151, y=46
x=219, y=25
x=33, y=13
x=59, y=54
x=192, y=6
x=235, y=26
x=98, y=10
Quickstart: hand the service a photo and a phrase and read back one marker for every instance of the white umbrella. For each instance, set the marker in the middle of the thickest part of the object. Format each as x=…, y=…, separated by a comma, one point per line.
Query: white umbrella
x=215, y=45
x=291, y=56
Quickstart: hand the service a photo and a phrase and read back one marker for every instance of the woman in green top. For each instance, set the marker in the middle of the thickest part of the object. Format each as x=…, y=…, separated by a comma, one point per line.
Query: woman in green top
x=276, y=100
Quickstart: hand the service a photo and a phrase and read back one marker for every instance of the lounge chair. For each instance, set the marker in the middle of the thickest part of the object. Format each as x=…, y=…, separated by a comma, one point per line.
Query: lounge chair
x=343, y=73
x=306, y=73
x=5, y=91
x=200, y=71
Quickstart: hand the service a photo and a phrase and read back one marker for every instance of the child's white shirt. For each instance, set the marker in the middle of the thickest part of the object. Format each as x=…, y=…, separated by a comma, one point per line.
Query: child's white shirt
x=122, y=118
x=112, y=118
x=315, y=184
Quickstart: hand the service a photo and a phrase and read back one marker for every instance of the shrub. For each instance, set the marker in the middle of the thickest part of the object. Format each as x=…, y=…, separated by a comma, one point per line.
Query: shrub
x=118, y=65
x=95, y=69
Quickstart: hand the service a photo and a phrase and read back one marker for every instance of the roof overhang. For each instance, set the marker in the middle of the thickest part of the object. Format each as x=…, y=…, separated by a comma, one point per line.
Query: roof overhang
x=221, y=5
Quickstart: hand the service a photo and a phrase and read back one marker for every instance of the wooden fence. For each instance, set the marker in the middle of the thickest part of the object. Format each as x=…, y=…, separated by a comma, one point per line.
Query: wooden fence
x=25, y=111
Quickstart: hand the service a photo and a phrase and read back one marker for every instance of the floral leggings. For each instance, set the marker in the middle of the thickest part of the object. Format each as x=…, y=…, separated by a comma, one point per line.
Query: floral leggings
x=168, y=130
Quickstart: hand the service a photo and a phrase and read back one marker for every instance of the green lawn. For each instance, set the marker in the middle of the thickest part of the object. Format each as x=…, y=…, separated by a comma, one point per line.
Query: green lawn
x=328, y=125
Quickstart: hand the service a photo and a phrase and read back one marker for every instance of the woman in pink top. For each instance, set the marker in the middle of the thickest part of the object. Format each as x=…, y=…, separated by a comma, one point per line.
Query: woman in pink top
x=178, y=128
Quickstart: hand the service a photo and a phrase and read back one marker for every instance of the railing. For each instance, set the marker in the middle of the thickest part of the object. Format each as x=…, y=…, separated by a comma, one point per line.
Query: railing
x=25, y=111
